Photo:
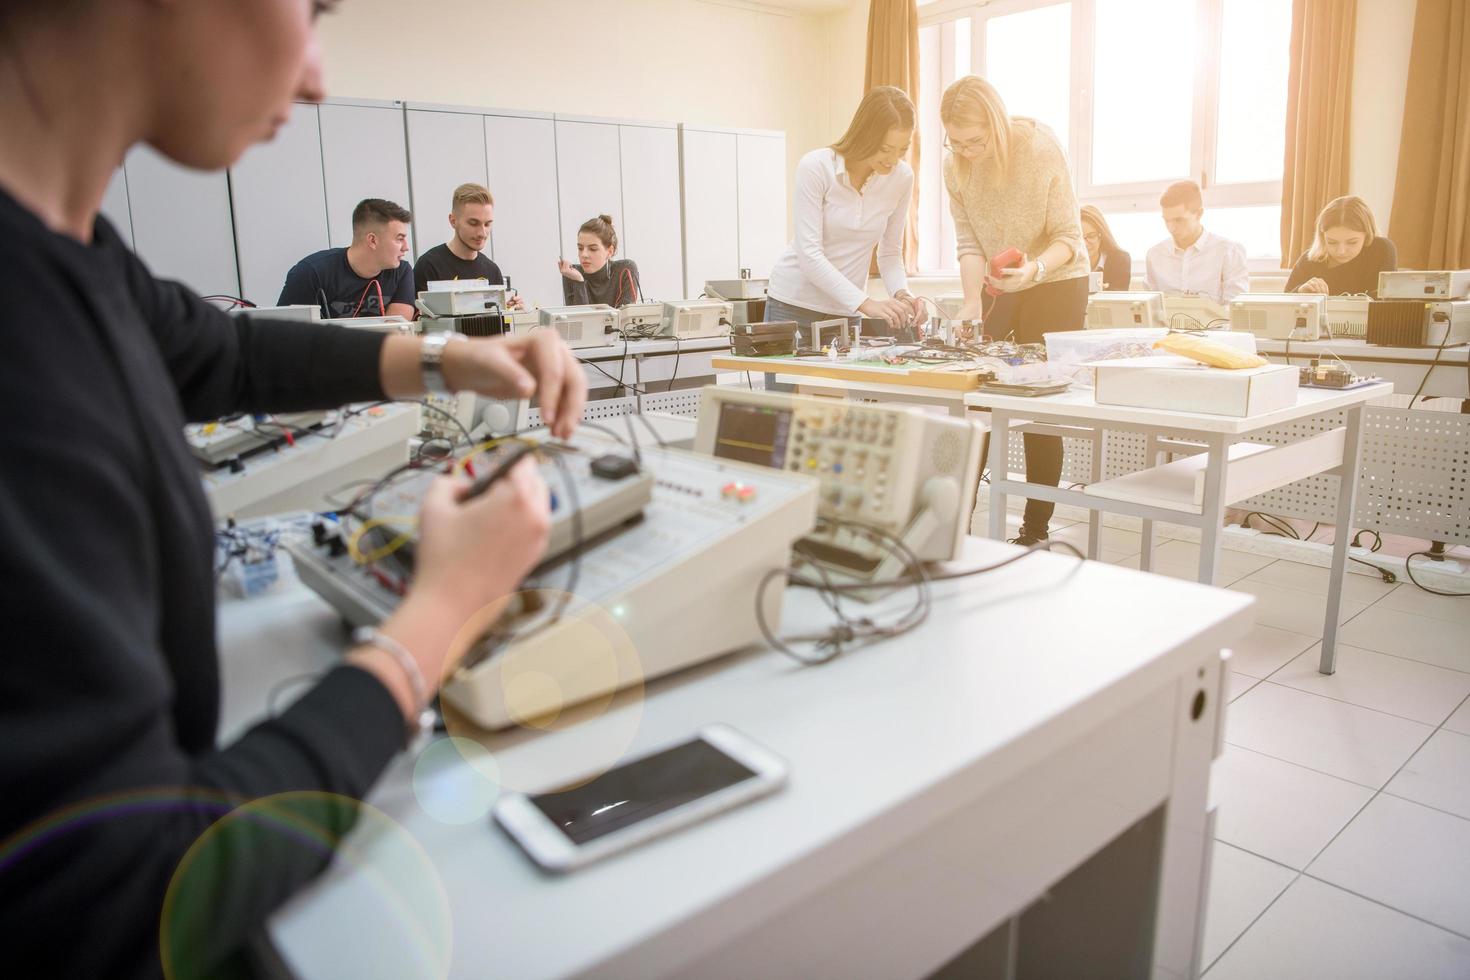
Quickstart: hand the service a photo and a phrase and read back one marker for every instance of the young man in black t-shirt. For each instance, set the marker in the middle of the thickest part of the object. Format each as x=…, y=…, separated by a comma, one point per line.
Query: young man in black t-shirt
x=370, y=277
x=471, y=215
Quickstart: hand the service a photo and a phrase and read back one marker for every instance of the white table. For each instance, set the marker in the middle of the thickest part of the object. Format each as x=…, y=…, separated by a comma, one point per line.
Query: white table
x=652, y=361
x=1193, y=491
x=940, y=785
x=1404, y=367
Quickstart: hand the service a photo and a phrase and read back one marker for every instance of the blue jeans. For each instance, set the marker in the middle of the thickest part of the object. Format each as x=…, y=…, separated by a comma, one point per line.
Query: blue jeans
x=778, y=312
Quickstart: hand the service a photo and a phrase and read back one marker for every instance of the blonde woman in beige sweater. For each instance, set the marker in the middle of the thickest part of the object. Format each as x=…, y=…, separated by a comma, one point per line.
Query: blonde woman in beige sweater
x=1010, y=187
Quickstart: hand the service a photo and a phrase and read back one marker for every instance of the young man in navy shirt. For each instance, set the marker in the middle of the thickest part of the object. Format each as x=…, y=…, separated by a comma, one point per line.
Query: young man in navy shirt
x=370, y=277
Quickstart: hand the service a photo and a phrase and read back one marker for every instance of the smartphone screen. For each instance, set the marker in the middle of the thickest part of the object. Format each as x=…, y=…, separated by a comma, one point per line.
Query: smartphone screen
x=641, y=789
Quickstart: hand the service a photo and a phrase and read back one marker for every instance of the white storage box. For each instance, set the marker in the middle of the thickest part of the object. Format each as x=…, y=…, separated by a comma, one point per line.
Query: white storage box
x=1182, y=385
x=1071, y=351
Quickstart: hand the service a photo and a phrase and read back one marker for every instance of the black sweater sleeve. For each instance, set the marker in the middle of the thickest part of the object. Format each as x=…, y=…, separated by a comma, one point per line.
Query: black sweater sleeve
x=1300, y=273
x=223, y=364
x=574, y=293
x=1117, y=271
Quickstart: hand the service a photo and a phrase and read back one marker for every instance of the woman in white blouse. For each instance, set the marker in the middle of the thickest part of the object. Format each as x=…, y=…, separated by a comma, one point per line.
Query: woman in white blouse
x=851, y=196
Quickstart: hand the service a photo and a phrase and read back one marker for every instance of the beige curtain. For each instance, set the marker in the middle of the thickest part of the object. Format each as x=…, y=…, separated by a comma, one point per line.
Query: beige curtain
x=893, y=59
x=1318, y=105
x=1431, y=202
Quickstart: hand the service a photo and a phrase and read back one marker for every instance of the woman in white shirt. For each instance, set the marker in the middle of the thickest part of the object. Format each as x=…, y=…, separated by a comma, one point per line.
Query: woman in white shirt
x=851, y=196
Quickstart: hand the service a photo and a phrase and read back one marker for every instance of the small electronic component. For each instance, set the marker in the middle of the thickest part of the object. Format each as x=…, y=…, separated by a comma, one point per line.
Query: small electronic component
x=1331, y=374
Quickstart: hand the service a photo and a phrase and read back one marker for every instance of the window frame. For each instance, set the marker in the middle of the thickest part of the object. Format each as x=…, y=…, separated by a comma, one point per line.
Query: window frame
x=1140, y=196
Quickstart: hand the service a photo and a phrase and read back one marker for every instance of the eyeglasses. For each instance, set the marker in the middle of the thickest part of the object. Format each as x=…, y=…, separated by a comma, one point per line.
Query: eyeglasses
x=966, y=146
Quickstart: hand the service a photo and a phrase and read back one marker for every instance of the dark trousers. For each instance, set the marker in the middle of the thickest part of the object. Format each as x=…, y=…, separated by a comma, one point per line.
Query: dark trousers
x=1024, y=317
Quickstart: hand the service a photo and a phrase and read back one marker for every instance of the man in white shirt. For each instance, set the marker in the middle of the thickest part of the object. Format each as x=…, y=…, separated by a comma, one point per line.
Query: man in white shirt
x=1192, y=261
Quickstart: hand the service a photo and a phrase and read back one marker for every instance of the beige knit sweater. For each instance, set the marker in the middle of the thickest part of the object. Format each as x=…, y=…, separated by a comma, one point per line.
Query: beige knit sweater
x=1030, y=209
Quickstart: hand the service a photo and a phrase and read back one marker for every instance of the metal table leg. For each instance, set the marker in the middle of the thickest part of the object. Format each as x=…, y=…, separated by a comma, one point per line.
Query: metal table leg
x=1212, y=513
x=1347, y=495
x=1146, y=552
x=1000, y=439
x=1094, y=516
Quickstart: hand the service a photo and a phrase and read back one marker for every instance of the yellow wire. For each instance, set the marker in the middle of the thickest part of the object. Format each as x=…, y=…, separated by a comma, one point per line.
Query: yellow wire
x=463, y=461
x=378, y=554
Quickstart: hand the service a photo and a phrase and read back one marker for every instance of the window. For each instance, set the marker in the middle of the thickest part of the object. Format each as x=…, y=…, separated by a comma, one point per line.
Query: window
x=1139, y=92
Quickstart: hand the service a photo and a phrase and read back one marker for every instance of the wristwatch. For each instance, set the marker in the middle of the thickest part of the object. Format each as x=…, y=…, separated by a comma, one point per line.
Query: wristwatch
x=1040, y=270
x=431, y=357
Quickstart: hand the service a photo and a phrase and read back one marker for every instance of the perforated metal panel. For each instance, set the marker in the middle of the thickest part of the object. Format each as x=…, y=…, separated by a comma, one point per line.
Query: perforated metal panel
x=681, y=401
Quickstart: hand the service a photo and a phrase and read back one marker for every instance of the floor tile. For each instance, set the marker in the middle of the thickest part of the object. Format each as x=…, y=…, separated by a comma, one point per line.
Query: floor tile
x=1175, y=552
x=1293, y=609
x=1110, y=538
x=1266, y=649
x=1279, y=810
x=1314, y=579
x=1438, y=775
x=1332, y=737
x=1409, y=598
x=1241, y=886
x=1317, y=932
x=1239, y=684
x=1460, y=720
x=1407, y=688
x=1433, y=641
x=1407, y=856
x=1187, y=573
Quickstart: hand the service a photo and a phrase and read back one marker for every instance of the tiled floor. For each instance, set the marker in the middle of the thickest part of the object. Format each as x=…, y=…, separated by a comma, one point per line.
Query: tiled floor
x=1343, y=828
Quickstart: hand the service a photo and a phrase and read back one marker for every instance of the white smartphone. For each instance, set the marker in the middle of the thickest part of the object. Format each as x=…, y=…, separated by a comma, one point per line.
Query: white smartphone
x=669, y=788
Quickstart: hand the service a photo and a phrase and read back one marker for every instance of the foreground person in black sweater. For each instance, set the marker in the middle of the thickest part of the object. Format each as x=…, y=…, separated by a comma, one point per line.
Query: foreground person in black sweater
x=109, y=683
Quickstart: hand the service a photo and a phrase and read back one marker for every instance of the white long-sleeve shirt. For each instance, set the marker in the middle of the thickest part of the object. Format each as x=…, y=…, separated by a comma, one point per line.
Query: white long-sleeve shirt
x=825, y=268
x=1212, y=266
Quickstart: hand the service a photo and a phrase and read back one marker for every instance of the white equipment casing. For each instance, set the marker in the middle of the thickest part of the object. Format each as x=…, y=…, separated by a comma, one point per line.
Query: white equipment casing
x=461, y=297
x=297, y=311
x=907, y=473
x=674, y=589
x=647, y=318
x=1347, y=316
x=1203, y=310
x=733, y=289
x=1112, y=310
x=1447, y=324
x=1279, y=316
x=1430, y=285
x=582, y=326
x=380, y=324
x=691, y=319
x=301, y=477
x=216, y=443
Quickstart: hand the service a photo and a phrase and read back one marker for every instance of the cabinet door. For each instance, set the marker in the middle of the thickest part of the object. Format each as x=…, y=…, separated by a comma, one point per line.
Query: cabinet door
x=445, y=149
x=182, y=227
x=115, y=205
x=364, y=154
x=526, y=235
x=711, y=220
x=280, y=205
x=762, y=198
x=652, y=221
x=589, y=182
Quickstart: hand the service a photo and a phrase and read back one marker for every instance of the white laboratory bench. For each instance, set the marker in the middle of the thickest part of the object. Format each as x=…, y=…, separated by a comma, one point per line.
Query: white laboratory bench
x=1002, y=783
x=1404, y=367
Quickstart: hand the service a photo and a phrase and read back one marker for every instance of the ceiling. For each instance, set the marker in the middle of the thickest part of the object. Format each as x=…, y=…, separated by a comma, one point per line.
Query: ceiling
x=807, y=6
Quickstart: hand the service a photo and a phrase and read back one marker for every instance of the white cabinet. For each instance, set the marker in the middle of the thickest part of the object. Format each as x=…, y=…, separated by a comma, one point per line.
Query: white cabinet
x=279, y=205
x=182, y=225
x=589, y=181
x=761, y=192
x=445, y=149
x=711, y=214
x=652, y=220
x=521, y=151
x=364, y=154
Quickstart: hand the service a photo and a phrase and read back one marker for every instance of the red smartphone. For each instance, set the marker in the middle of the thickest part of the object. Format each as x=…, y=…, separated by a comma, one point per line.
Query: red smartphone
x=1008, y=259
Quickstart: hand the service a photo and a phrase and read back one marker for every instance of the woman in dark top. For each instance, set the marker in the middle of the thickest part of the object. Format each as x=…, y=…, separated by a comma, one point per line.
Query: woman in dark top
x=109, y=686
x=598, y=277
x=1347, y=252
x=1103, y=253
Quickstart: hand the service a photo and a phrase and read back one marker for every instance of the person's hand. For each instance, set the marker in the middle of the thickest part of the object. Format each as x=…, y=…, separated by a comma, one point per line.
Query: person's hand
x=515, y=303
x=920, y=310
x=1313, y=285
x=1013, y=279
x=569, y=271
x=510, y=521
x=538, y=363
x=457, y=593
x=895, y=311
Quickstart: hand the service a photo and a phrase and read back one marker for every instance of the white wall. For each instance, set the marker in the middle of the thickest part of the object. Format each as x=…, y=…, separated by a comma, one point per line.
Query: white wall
x=1384, y=36
x=703, y=62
